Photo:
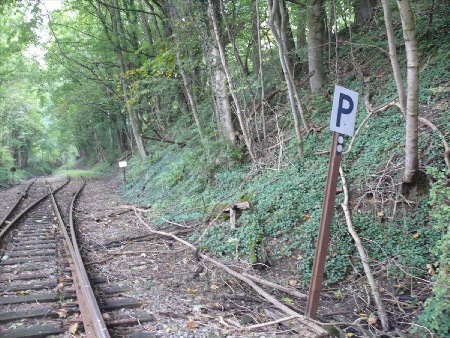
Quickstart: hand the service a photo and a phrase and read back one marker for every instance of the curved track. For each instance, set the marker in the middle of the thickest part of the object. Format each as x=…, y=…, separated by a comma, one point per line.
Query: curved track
x=44, y=287
x=42, y=283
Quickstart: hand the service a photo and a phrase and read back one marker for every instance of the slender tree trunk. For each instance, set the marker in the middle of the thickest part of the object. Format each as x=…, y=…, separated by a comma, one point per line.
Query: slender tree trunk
x=239, y=113
x=244, y=69
x=260, y=70
x=146, y=24
x=365, y=260
x=393, y=55
x=363, y=11
x=301, y=28
x=219, y=91
x=154, y=17
x=230, y=34
x=118, y=32
x=412, y=100
x=288, y=36
x=255, y=36
x=190, y=95
x=117, y=134
x=316, y=29
x=175, y=17
x=276, y=27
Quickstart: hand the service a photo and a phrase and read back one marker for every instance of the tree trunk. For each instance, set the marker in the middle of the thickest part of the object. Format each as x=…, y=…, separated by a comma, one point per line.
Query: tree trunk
x=276, y=26
x=154, y=17
x=118, y=34
x=393, y=55
x=301, y=28
x=175, y=17
x=239, y=113
x=289, y=36
x=363, y=11
x=316, y=29
x=117, y=133
x=148, y=31
x=230, y=34
x=260, y=69
x=255, y=36
x=412, y=100
x=220, y=97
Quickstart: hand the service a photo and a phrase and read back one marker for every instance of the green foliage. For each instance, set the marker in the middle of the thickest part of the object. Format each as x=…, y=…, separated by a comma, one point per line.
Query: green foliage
x=95, y=171
x=184, y=186
x=436, y=310
x=6, y=163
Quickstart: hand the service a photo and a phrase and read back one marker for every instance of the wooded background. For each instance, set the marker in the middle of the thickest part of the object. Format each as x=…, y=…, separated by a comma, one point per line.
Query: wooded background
x=123, y=74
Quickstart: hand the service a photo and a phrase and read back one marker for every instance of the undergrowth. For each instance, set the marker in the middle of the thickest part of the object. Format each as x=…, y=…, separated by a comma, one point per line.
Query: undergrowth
x=191, y=185
x=96, y=171
x=437, y=308
x=182, y=185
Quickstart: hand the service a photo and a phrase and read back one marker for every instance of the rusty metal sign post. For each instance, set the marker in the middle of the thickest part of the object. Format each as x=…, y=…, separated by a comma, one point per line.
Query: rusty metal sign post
x=342, y=123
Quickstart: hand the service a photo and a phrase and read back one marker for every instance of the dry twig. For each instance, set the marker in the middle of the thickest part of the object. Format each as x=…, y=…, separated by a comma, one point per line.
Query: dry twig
x=273, y=322
x=363, y=255
x=443, y=140
x=319, y=331
x=287, y=290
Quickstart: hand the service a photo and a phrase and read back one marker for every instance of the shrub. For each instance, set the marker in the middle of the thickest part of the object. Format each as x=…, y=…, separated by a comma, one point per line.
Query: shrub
x=436, y=312
x=6, y=163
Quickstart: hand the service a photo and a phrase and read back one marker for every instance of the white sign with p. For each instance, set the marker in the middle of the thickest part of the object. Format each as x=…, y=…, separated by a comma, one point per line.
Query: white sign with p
x=343, y=113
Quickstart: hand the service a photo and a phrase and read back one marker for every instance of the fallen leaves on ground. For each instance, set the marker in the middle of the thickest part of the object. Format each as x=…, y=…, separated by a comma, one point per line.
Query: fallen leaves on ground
x=73, y=328
x=62, y=313
x=191, y=325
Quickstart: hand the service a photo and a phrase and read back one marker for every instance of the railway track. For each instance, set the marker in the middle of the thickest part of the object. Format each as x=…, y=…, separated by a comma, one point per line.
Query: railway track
x=45, y=289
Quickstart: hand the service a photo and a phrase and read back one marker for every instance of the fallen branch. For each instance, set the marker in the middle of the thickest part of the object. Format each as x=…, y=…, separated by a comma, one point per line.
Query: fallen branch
x=174, y=223
x=319, y=331
x=280, y=143
x=120, y=253
x=287, y=290
x=443, y=140
x=291, y=325
x=364, y=257
x=281, y=320
x=125, y=240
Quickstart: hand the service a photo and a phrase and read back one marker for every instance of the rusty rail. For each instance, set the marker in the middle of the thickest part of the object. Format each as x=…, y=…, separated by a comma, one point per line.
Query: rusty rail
x=94, y=325
x=24, y=212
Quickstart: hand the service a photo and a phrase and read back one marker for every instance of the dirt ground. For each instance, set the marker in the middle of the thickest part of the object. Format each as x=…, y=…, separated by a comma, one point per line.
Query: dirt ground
x=186, y=298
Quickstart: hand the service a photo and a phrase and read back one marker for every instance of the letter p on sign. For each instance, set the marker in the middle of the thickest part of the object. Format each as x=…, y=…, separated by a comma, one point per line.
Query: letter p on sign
x=343, y=114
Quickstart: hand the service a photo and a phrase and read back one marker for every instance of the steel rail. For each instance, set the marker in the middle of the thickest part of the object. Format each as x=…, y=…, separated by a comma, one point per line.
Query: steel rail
x=94, y=325
x=13, y=221
x=16, y=203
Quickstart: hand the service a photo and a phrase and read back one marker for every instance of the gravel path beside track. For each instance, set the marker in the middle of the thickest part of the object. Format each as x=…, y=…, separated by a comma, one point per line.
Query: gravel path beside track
x=160, y=273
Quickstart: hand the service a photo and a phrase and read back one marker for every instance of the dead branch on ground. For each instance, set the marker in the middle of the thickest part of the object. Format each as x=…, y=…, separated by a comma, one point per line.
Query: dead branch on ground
x=278, y=321
x=363, y=255
x=319, y=331
x=287, y=290
x=443, y=140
